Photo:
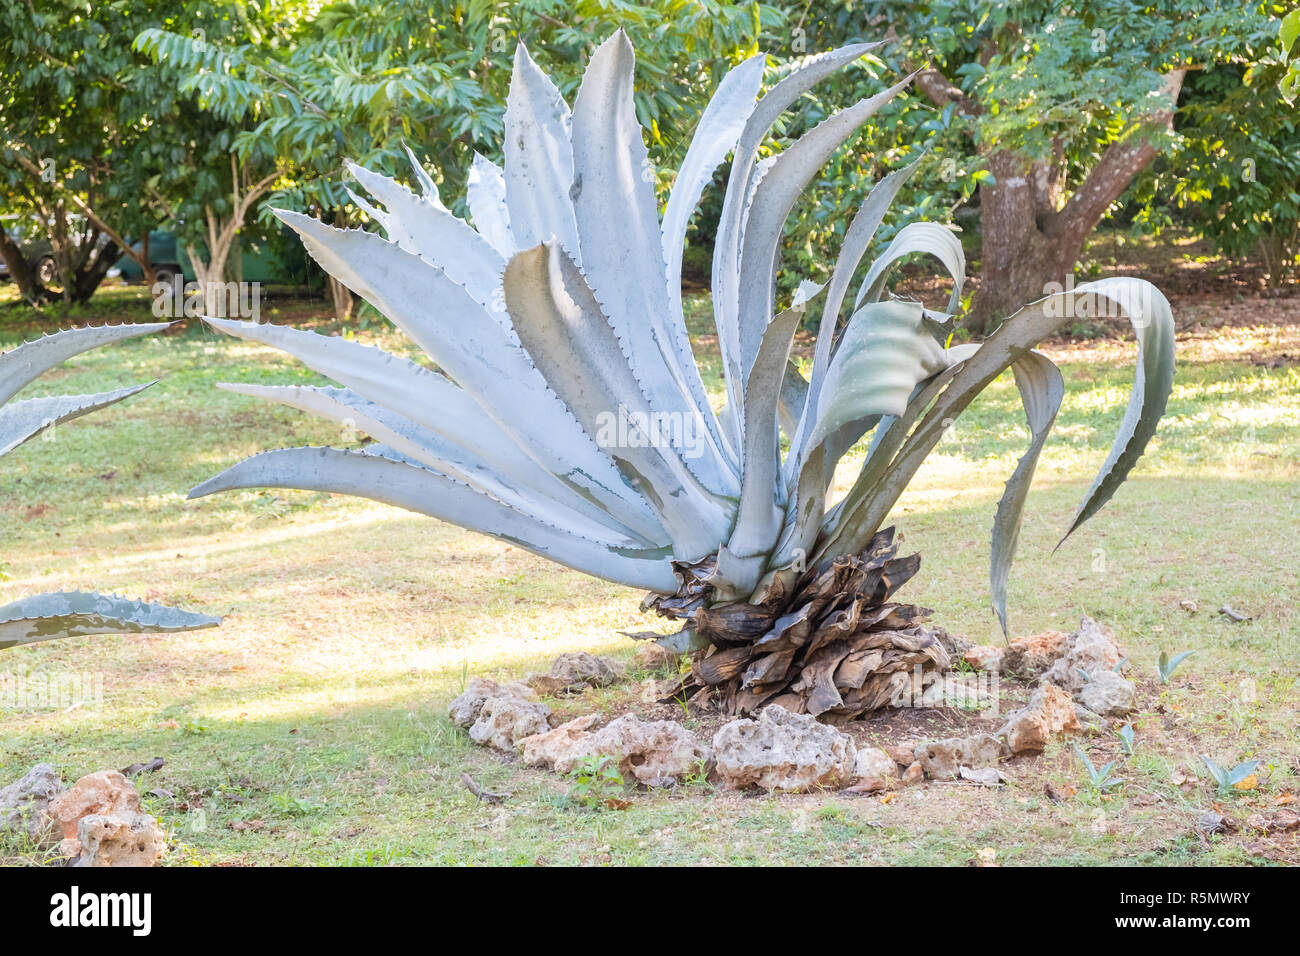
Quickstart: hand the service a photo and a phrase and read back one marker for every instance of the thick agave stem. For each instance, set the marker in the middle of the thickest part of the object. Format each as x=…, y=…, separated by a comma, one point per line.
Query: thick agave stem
x=832, y=645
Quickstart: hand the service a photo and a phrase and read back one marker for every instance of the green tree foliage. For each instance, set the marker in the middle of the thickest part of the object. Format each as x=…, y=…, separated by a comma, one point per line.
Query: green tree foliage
x=1238, y=177
x=73, y=108
x=1060, y=107
x=363, y=81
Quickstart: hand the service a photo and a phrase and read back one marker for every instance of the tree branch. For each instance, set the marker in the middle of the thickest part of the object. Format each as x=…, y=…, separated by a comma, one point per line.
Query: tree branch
x=1119, y=164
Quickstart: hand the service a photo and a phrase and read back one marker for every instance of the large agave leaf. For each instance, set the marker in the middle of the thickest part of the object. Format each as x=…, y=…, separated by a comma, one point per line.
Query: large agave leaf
x=44, y=617
x=485, y=192
x=1152, y=320
x=406, y=485
x=774, y=196
x=480, y=355
x=571, y=342
x=715, y=136
x=856, y=240
x=917, y=237
x=539, y=159
x=1041, y=390
x=815, y=476
x=622, y=254
x=739, y=196
x=433, y=233
x=759, y=517
x=20, y=421
x=432, y=450
x=24, y=364
x=1148, y=311
x=429, y=400
x=886, y=351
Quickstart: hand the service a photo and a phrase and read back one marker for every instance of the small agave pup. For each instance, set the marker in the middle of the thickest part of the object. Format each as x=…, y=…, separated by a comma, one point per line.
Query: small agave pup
x=559, y=311
x=44, y=617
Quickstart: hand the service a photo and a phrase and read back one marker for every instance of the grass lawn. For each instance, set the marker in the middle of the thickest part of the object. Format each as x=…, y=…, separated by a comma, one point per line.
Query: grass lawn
x=311, y=727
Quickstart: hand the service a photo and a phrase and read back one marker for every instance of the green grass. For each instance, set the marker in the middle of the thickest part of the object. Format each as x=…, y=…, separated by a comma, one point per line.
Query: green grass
x=311, y=727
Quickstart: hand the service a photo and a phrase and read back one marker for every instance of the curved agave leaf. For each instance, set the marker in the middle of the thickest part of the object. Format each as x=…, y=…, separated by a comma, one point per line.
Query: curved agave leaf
x=573, y=345
x=539, y=159
x=1152, y=320
x=485, y=193
x=622, y=255
x=774, y=196
x=890, y=432
x=415, y=488
x=20, y=421
x=886, y=351
x=924, y=237
x=1041, y=390
x=862, y=229
x=22, y=365
x=480, y=356
x=431, y=401
x=44, y=617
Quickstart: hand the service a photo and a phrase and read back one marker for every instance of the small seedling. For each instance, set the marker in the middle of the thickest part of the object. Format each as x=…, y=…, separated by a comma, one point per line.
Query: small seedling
x=1101, y=780
x=697, y=777
x=1126, y=739
x=1231, y=779
x=1166, y=665
x=291, y=806
x=1119, y=667
x=596, y=782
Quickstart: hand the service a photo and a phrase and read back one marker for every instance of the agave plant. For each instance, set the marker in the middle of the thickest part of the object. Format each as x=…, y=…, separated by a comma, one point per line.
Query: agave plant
x=568, y=416
x=43, y=617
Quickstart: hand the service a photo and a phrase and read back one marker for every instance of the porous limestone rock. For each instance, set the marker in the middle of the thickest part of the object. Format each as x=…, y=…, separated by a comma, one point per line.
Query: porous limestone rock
x=119, y=839
x=1089, y=650
x=574, y=673
x=942, y=759
x=984, y=657
x=1049, y=713
x=1107, y=693
x=1028, y=657
x=103, y=825
x=24, y=804
x=783, y=751
x=875, y=762
x=499, y=715
x=657, y=753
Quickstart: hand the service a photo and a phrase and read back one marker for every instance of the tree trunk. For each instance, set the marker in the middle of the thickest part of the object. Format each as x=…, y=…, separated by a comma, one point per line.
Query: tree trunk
x=1031, y=235
x=341, y=299
x=21, y=271
x=1016, y=259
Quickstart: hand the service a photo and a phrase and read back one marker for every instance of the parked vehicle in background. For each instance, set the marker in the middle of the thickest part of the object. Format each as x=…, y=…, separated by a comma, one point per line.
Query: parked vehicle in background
x=261, y=260
x=36, y=248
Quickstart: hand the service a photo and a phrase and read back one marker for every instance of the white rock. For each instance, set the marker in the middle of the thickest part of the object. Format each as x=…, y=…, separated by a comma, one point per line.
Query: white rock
x=498, y=715
x=24, y=804
x=874, y=762
x=1107, y=694
x=654, y=753
x=783, y=751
